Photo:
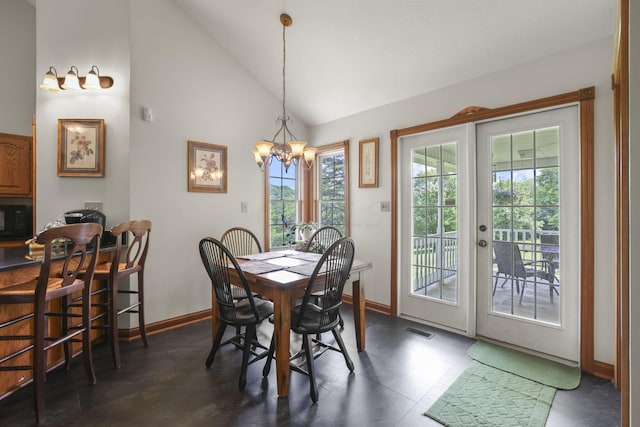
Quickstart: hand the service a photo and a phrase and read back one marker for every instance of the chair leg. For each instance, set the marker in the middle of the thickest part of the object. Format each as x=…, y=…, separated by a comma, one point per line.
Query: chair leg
x=39, y=364
x=86, y=334
x=524, y=284
x=216, y=344
x=308, y=353
x=249, y=335
x=113, y=323
x=495, y=285
x=340, y=321
x=343, y=349
x=267, y=365
x=141, y=324
x=65, y=325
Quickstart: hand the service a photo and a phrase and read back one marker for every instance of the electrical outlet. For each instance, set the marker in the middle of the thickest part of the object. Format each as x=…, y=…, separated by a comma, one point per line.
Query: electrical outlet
x=96, y=206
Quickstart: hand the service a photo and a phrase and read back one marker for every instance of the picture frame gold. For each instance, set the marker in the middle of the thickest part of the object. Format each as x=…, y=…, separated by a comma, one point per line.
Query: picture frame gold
x=81, y=147
x=206, y=167
x=368, y=163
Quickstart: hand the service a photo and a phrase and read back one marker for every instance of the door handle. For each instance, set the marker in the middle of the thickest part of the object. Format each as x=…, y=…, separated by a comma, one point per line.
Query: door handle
x=482, y=243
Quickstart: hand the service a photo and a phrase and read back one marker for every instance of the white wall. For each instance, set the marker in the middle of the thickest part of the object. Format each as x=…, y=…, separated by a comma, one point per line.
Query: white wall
x=196, y=92
x=83, y=33
x=634, y=210
x=18, y=71
x=161, y=60
x=588, y=65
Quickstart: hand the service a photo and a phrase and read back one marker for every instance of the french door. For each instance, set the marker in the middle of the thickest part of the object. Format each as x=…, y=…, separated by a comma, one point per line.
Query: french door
x=489, y=229
x=435, y=230
x=528, y=221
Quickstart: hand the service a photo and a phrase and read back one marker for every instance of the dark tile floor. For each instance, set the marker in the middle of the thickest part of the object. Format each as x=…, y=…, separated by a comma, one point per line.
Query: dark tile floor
x=395, y=381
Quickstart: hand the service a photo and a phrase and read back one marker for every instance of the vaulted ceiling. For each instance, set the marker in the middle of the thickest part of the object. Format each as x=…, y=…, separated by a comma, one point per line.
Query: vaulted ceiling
x=348, y=56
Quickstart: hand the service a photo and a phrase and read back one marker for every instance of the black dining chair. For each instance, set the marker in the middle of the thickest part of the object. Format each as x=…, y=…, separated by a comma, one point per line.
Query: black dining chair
x=246, y=313
x=317, y=315
x=240, y=241
x=321, y=239
x=319, y=242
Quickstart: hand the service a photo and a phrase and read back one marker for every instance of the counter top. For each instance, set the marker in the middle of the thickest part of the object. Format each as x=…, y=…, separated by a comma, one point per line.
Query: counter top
x=12, y=258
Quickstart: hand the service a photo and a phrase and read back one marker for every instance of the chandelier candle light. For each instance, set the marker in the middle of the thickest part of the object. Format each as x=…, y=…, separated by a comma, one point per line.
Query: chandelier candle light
x=293, y=151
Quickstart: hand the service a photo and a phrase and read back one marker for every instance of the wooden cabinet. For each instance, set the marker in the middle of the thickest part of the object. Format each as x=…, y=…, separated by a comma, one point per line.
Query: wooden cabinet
x=15, y=165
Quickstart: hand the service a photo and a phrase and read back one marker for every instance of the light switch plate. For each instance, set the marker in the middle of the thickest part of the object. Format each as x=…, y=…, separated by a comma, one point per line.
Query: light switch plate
x=96, y=206
x=385, y=206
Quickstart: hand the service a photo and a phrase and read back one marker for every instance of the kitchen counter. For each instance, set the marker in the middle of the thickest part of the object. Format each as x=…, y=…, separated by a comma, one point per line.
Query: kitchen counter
x=18, y=257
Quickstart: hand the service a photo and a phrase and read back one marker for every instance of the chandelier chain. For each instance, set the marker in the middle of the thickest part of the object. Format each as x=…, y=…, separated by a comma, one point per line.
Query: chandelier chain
x=284, y=64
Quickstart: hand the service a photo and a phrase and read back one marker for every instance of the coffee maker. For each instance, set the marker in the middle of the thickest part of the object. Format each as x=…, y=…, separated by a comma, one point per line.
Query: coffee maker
x=88, y=215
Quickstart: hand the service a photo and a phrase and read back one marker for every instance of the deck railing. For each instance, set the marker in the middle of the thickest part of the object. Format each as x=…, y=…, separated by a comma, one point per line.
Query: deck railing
x=435, y=256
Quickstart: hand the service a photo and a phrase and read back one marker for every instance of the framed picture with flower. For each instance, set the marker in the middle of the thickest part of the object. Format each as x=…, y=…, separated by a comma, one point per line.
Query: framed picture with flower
x=207, y=167
x=81, y=147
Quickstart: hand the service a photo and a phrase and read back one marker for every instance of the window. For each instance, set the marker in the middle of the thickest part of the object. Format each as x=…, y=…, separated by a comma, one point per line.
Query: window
x=282, y=203
x=290, y=195
x=332, y=186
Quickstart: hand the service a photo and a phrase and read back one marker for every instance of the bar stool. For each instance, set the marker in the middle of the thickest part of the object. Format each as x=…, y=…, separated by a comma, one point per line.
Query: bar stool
x=42, y=291
x=112, y=271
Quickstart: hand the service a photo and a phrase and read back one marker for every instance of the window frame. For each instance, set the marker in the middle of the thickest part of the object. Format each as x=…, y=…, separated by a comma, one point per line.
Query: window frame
x=267, y=202
x=307, y=181
x=311, y=188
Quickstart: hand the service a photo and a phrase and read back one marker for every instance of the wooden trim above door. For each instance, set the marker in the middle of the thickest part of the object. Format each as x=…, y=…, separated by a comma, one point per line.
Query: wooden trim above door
x=585, y=99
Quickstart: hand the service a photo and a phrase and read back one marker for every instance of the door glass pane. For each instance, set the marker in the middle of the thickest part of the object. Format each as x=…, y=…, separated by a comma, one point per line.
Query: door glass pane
x=526, y=244
x=434, y=221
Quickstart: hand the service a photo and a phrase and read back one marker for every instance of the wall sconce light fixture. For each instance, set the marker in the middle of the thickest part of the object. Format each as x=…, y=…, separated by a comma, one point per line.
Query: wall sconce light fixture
x=73, y=81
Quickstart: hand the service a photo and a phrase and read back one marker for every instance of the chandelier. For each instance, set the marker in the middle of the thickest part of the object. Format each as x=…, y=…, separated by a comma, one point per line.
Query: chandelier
x=293, y=151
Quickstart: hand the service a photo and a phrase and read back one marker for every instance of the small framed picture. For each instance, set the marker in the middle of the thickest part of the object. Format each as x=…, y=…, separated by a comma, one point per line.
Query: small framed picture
x=368, y=171
x=81, y=147
x=207, y=167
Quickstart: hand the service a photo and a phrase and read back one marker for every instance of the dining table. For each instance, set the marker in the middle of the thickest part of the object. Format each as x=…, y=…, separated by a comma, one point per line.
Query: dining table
x=282, y=276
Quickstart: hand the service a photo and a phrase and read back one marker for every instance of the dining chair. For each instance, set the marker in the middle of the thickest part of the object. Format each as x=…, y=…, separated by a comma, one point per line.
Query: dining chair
x=51, y=294
x=318, y=243
x=240, y=241
x=134, y=237
x=321, y=239
x=317, y=315
x=510, y=264
x=246, y=313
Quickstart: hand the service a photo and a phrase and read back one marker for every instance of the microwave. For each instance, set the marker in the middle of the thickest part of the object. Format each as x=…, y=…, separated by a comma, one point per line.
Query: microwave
x=16, y=222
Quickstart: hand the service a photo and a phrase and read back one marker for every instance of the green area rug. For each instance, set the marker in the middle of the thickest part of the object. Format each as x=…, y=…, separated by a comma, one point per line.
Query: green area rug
x=486, y=396
x=535, y=368
x=503, y=387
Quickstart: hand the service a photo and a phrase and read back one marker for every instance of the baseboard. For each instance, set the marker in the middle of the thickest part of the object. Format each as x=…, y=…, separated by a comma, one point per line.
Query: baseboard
x=603, y=370
x=369, y=305
x=164, y=325
x=176, y=322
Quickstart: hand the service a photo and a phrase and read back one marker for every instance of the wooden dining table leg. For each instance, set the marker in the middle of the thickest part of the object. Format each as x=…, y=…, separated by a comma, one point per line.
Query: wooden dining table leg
x=281, y=327
x=358, y=313
x=214, y=316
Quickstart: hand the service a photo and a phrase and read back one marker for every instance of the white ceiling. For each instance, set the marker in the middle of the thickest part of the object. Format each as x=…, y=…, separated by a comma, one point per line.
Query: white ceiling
x=348, y=56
